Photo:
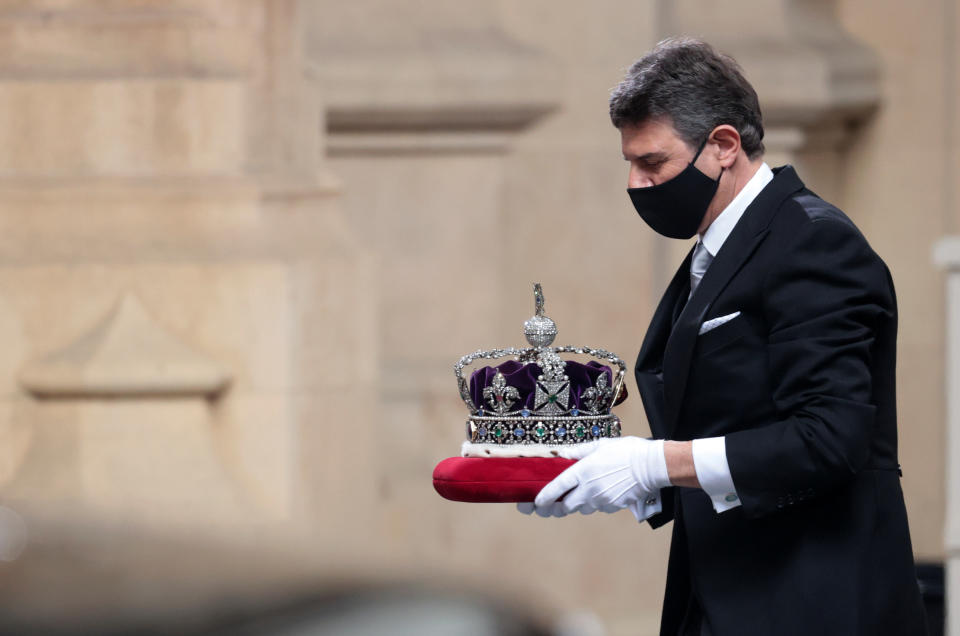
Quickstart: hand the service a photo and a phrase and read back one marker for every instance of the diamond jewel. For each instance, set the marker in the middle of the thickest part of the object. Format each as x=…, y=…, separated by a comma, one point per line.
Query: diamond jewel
x=552, y=396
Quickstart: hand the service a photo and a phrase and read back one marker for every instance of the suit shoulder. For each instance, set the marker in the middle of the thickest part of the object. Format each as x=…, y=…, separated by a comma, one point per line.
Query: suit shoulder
x=805, y=216
x=809, y=234
x=804, y=207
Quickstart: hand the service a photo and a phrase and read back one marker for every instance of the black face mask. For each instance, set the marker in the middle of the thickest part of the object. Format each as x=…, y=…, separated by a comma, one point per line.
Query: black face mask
x=676, y=207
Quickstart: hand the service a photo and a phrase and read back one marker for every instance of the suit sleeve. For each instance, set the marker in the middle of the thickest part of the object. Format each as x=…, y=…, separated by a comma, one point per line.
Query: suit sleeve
x=824, y=302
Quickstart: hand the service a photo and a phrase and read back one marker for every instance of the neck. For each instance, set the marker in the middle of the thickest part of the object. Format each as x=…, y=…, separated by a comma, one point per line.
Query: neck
x=731, y=183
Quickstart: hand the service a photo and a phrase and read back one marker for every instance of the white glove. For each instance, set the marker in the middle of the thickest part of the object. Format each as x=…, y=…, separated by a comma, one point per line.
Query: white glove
x=612, y=474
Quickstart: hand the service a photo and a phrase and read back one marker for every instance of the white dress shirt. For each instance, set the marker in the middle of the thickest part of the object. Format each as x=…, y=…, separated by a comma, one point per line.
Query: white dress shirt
x=710, y=453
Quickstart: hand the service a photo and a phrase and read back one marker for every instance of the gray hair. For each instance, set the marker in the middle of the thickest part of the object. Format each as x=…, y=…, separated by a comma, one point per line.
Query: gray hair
x=686, y=81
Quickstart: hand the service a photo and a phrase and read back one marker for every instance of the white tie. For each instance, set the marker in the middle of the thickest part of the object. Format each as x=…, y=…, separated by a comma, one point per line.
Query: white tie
x=698, y=265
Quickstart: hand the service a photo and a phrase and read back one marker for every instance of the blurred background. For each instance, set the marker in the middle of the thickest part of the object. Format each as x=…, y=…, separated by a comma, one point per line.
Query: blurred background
x=242, y=243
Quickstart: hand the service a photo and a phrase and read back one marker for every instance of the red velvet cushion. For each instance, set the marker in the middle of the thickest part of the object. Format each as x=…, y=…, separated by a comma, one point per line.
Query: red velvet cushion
x=496, y=479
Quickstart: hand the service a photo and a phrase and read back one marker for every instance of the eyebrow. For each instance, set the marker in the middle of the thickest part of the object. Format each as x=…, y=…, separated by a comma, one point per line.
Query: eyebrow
x=650, y=157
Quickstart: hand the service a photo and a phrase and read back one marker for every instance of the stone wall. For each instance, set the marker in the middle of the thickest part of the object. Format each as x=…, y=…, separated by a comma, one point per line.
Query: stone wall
x=187, y=317
x=244, y=243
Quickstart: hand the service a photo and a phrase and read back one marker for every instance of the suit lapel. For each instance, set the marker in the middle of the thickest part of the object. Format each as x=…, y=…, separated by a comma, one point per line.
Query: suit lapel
x=748, y=234
x=655, y=340
x=648, y=371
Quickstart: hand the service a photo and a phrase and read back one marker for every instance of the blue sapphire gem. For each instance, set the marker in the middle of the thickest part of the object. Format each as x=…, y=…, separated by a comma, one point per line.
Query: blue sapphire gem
x=560, y=431
x=480, y=412
x=595, y=430
x=482, y=431
x=574, y=412
x=525, y=412
x=518, y=432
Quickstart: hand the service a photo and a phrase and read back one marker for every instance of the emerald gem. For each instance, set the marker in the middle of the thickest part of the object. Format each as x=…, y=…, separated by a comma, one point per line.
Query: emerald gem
x=541, y=430
x=552, y=399
x=580, y=431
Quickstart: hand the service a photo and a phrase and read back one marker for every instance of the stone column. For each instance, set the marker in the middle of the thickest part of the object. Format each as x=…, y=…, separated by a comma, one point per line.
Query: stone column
x=947, y=256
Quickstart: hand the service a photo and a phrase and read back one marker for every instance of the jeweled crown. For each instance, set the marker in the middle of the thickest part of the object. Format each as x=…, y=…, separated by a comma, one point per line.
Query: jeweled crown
x=536, y=397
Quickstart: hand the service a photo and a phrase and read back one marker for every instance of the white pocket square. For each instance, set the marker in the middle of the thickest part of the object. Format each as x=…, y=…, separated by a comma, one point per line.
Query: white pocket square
x=713, y=323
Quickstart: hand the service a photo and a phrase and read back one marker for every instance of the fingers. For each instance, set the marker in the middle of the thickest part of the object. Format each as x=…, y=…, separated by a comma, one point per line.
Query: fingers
x=577, y=499
x=565, y=481
x=551, y=510
x=543, y=511
x=558, y=509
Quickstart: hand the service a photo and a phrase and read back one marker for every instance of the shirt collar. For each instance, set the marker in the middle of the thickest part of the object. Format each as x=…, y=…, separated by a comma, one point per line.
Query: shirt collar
x=721, y=227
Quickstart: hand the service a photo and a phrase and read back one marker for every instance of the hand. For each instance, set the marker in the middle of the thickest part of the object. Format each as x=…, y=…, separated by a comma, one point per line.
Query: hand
x=611, y=474
x=578, y=452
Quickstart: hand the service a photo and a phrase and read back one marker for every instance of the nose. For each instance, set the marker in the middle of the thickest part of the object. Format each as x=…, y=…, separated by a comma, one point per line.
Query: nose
x=638, y=178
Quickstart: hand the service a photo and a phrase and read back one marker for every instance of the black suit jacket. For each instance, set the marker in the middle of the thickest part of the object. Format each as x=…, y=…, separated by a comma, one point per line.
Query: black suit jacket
x=802, y=384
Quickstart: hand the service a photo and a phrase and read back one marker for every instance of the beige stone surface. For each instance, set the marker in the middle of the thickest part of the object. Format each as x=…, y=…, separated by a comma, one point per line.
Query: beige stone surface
x=127, y=353
x=330, y=203
x=144, y=126
x=186, y=315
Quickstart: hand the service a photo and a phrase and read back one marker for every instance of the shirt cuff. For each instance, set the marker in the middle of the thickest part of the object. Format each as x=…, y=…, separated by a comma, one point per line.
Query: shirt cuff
x=713, y=472
x=647, y=507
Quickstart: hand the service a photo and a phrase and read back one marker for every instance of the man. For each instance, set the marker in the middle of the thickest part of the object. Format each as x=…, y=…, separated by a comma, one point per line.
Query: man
x=767, y=375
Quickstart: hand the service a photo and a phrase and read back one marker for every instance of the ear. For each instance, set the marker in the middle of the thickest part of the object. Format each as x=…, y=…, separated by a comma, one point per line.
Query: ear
x=725, y=142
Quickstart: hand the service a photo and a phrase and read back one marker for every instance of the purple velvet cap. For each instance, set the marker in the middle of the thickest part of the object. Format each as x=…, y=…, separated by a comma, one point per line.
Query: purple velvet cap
x=524, y=378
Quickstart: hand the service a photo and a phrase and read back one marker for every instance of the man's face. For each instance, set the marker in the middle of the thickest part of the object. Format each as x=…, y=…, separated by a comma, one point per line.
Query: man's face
x=655, y=152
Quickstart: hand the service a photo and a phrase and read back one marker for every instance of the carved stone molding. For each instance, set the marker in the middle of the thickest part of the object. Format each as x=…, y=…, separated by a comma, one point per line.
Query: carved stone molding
x=127, y=354
x=437, y=86
x=814, y=80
